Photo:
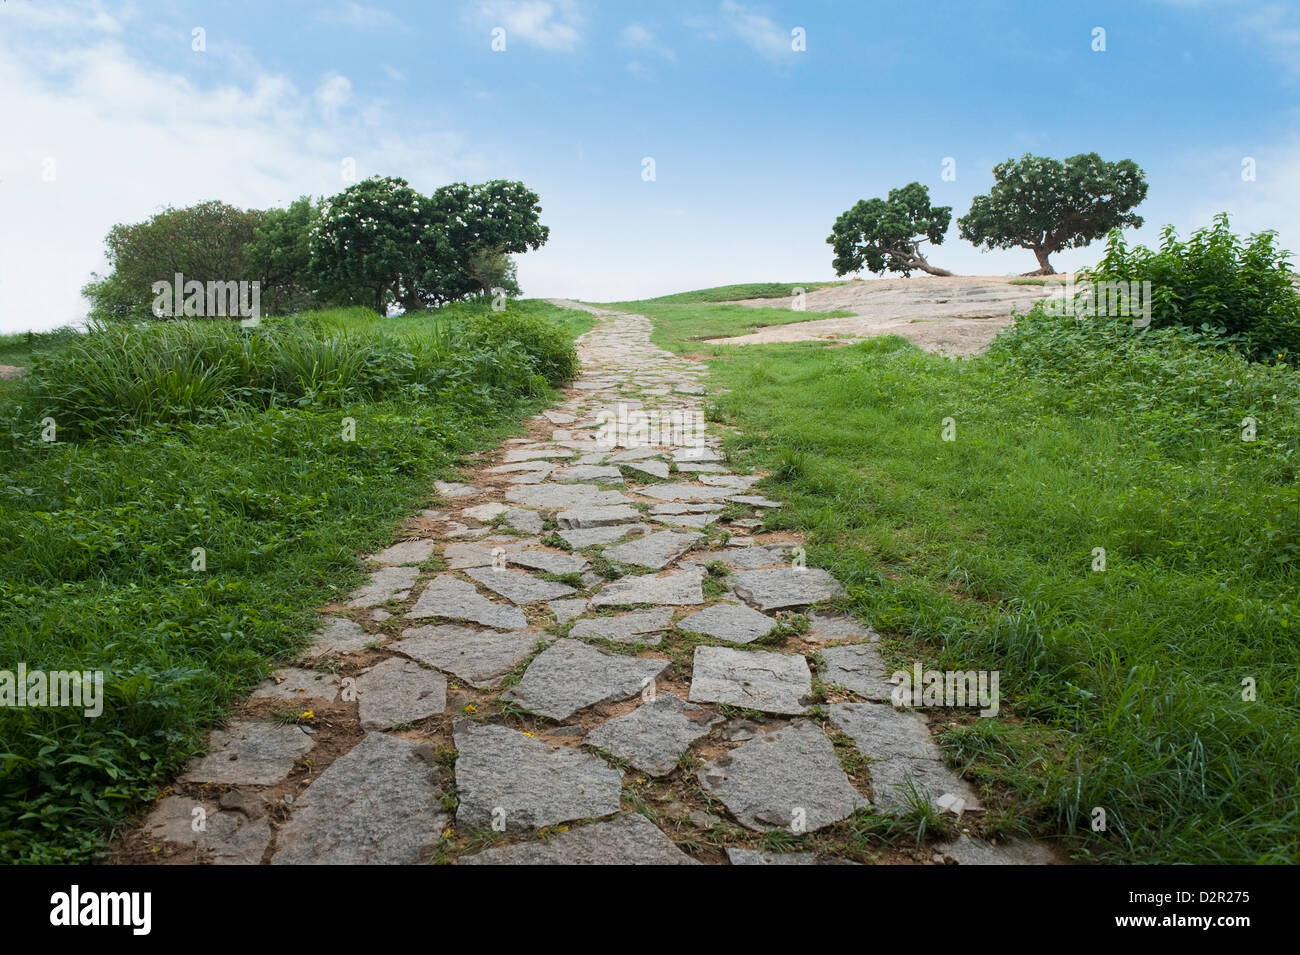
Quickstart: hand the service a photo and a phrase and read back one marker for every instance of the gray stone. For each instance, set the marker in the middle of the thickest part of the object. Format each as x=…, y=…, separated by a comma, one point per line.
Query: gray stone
x=514, y=457
x=339, y=635
x=655, y=551
x=857, y=667
x=387, y=583
x=625, y=628
x=967, y=851
x=786, y=587
x=837, y=628
x=729, y=480
x=656, y=469
x=754, y=679
x=566, y=496
x=519, y=467
x=377, y=804
x=485, y=512
x=585, y=517
x=522, y=783
x=559, y=417
x=231, y=838
x=517, y=586
x=566, y=610
x=685, y=520
x=570, y=675
x=748, y=558
x=405, y=552
x=589, y=472
x=457, y=599
x=588, y=536
x=753, y=500
x=677, y=507
x=452, y=489
x=635, y=454
x=250, y=753
x=761, y=857
x=627, y=839
x=399, y=691
x=549, y=561
x=789, y=777
x=461, y=556
x=292, y=683
x=479, y=657
x=687, y=467
x=906, y=765
x=522, y=519
x=693, y=454
x=685, y=492
x=676, y=589
x=734, y=623
x=654, y=735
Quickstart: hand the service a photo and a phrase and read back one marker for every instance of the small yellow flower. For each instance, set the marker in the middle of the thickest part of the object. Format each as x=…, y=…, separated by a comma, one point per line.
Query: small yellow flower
x=561, y=828
x=527, y=733
x=471, y=708
x=309, y=715
x=448, y=833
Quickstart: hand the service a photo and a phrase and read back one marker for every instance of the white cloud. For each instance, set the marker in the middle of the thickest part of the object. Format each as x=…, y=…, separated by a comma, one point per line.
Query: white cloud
x=641, y=39
x=1276, y=27
x=333, y=94
x=358, y=17
x=128, y=137
x=757, y=30
x=553, y=26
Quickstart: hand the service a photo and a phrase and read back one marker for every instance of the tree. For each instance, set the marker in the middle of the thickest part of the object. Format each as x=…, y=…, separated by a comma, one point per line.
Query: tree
x=483, y=225
x=205, y=242
x=1046, y=205
x=280, y=256
x=376, y=243
x=885, y=235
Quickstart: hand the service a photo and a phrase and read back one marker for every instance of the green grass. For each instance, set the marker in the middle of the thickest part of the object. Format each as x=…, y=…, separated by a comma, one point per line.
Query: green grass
x=1122, y=688
x=99, y=527
x=732, y=293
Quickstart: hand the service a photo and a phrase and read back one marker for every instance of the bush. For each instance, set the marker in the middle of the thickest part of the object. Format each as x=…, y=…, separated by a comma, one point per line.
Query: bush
x=1214, y=281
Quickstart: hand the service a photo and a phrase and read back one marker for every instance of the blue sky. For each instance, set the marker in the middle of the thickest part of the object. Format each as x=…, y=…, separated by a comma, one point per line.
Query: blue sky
x=757, y=147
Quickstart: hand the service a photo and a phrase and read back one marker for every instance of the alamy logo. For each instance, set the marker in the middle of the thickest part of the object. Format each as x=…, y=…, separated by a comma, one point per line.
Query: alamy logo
x=1106, y=299
x=631, y=427
x=194, y=299
x=79, y=689
x=946, y=688
x=75, y=907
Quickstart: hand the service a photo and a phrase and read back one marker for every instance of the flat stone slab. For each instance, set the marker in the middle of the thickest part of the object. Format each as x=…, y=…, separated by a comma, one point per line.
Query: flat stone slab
x=522, y=783
x=377, y=804
x=687, y=467
x=457, y=599
x=607, y=474
x=566, y=496
x=399, y=691
x=837, y=628
x=906, y=764
x=626, y=628
x=566, y=610
x=485, y=512
x=518, y=586
x=479, y=657
x=761, y=857
x=454, y=489
x=967, y=851
x=514, y=457
x=675, y=589
x=685, y=520
x=524, y=520
x=549, y=561
x=522, y=467
x=685, y=492
x=405, y=552
x=735, y=623
x=571, y=675
x=655, y=469
x=387, y=583
x=250, y=753
x=655, y=551
x=460, y=556
x=339, y=635
x=292, y=683
x=745, y=558
x=654, y=735
x=592, y=517
x=754, y=500
x=786, y=587
x=754, y=679
x=695, y=454
x=680, y=507
x=742, y=481
x=788, y=778
x=858, y=667
x=231, y=838
x=627, y=839
x=559, y=417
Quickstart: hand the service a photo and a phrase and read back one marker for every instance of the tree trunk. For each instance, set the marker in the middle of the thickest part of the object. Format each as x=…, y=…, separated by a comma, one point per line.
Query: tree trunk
x=1044, y=266
x=926, y=267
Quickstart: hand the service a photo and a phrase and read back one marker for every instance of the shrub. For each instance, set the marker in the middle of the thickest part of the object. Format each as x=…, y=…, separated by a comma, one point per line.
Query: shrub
x=1245, y=291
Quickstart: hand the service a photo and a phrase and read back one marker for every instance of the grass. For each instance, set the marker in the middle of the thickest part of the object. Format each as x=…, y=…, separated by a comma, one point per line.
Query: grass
x=1123, y=688
x=681, y=328
x=100, y=526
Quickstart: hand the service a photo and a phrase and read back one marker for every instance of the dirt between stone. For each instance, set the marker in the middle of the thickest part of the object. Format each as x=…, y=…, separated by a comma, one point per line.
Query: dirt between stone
x=957, y=315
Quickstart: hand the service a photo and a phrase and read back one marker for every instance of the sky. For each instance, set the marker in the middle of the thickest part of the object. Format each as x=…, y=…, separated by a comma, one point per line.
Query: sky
x=111, y=111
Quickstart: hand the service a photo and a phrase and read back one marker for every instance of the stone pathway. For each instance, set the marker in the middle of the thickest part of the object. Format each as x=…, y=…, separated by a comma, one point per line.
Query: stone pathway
x=590, y=652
